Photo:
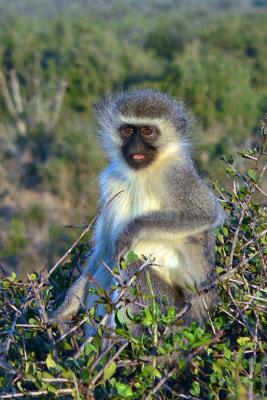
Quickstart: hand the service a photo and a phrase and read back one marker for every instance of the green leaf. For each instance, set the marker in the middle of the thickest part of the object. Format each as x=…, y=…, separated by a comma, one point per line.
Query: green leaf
x=33, y=321
x=13, y=276
x=124, y=390
x=149, y=318
x=100, y=292
x=225, y=231
x=92, y=311
x=230, y=171
x=116, y=271
x=50, y=362
x=119, y=318
x=200, y=343
x=129, y=315
x=252, y=174
x=133, y=291
x=132, y=257
x=149, y=370
x=109, y=371
x=122, y=331
x=51, y=388
x=220, y=238
x=89, y=349
x=195, y=390
x=67, y=375
x=67, y=345
x=244, y=341
x=46, y=375
x=108, y=308
x=172, y=312
x=85, y=374
x=189, y=336
x=227, y=353
x=123, y=265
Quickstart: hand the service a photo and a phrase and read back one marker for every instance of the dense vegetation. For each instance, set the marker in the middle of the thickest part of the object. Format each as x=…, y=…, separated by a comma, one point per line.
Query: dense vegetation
x=226, y=360
x=56, y=60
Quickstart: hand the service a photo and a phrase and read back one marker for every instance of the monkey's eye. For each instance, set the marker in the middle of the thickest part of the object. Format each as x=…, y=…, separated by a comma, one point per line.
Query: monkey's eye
x=146, y=131
x=126, y=130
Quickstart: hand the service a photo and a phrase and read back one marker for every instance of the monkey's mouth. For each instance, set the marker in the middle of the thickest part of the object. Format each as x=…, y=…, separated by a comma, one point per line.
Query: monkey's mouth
x=140, y=160
x=141, y=156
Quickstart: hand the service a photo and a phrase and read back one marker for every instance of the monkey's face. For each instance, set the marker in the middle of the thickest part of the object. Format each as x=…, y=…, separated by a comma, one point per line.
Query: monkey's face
x=139, y=144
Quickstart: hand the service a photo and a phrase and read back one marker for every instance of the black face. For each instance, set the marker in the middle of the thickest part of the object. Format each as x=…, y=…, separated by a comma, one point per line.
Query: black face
x=138, y=146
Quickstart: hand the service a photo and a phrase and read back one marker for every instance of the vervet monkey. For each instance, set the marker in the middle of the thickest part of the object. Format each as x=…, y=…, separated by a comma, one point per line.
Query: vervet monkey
x=160, y=207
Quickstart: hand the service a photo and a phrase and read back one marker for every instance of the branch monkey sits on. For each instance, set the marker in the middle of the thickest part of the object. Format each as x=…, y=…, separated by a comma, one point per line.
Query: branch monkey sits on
x=163, y=208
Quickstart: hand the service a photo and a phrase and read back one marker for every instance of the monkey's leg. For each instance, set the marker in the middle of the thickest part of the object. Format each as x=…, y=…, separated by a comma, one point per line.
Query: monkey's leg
x=77, y=294
x=202, y=262
x=162, y=292
x=202, y=306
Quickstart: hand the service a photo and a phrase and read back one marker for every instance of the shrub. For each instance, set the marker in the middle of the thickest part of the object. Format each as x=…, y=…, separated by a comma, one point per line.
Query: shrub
x=224, y=360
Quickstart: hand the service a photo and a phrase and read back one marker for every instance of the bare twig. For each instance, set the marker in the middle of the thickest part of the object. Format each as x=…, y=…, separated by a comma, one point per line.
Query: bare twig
x=58, y=103
x=237, y=231
x=16, y=91
x=101, y=372
x=6, y=95
x=37, y=393
x=154, y=311
x=10, y=337
x=116, y=277
x=65, y=256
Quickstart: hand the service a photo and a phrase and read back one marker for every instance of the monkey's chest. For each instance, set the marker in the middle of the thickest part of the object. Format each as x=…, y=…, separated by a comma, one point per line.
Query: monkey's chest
x=133, y=201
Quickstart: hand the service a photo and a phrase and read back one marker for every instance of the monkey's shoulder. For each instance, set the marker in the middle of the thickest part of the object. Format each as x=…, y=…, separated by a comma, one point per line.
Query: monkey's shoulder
x=183, y=182
x=183, y=176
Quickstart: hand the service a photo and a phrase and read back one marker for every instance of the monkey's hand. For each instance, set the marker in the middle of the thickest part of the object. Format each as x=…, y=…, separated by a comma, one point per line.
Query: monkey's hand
x=128, y=238
x=74, y=299
x=123, y=245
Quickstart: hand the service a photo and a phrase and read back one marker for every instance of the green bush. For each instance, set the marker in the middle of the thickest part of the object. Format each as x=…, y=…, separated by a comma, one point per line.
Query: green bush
x=223, y=360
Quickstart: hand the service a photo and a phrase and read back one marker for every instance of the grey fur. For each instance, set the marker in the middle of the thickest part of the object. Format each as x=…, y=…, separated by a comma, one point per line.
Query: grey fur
x=142, y=103
x=166, y=204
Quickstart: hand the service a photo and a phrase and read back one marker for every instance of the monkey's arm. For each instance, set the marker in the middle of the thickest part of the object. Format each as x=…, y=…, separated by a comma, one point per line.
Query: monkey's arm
x=196, y=212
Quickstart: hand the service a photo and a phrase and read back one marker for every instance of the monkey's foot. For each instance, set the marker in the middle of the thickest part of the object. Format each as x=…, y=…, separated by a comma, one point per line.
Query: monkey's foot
x=74, y=299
